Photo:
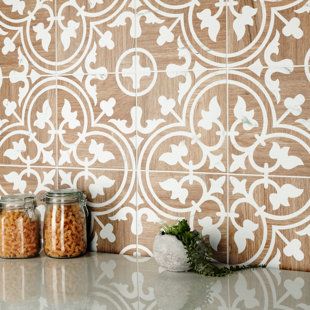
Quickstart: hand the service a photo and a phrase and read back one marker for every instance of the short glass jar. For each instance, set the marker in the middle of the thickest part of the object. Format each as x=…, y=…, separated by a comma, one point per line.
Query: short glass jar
x=65, y=231
x=19, y=227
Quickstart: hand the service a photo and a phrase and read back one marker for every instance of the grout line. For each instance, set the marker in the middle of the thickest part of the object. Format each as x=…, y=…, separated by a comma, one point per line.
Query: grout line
x=246, y=175
x=227, y=138
x=209, y=69
x=136, y=159
x=56, y=106
x=227, y=153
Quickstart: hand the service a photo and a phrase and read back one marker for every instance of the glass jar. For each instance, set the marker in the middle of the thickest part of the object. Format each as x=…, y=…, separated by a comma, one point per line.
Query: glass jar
x=65, y=232
x=19, y=227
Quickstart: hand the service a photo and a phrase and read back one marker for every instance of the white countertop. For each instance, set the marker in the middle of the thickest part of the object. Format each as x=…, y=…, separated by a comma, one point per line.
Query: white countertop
x=107, y=281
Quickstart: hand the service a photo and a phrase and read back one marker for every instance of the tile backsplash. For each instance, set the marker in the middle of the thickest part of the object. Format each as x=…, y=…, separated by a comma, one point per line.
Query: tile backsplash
x=161, y=110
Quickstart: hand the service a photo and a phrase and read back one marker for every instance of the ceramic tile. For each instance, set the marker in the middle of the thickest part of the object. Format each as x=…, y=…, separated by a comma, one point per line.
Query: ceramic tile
x=16, y=180
x=269, y=121
x=27, y=121
x=269, y=222
x=95, y=128
x=181, y=94
x=110, y=196
x=27, y=38
x=94, y=36
x=166, y=197
x=186, y=34
x=268, y=33
x=183, y=123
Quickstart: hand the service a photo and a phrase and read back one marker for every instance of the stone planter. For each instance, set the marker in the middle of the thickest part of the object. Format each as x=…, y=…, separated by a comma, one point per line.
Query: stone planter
x=170, y=253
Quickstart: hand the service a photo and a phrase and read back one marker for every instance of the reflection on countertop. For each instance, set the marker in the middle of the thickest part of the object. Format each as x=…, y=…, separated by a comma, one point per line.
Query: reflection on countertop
x=107, y=281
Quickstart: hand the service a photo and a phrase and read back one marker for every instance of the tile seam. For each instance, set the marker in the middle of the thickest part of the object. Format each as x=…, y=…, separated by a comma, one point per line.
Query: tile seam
x=227, y=138
x=164, y=71
x=159, y=171
x=56, y=76
x=136, y=159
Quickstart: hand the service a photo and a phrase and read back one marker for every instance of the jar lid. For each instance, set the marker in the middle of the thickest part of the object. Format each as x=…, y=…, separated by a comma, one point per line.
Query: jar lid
x=17, y=201
x=64, y=196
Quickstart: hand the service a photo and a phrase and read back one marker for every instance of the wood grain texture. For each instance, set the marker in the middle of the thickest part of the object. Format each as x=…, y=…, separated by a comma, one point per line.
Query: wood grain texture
x=164, y=109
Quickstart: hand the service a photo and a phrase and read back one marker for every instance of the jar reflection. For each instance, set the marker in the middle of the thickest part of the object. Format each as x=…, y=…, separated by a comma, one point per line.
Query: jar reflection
x=65, y=283
x=20, y=284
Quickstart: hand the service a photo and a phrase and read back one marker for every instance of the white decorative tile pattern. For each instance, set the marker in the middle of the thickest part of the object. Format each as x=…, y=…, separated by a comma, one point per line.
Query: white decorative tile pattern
x=164, y=109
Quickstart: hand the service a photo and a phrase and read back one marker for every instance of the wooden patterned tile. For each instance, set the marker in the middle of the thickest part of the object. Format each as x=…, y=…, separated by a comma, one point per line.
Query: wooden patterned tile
x=183, y=123
x=16, y=180
x=27, y=38
x=189, y=34
x=268, y=33
x=109, y=194
x=167, y=197
x=94, y=35
x=28, y=121
x=89, y=112
x=269, y=222
x=269, y=121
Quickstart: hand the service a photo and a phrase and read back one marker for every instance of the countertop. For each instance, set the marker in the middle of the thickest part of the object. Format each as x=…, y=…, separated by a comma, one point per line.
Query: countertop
x=107, y=281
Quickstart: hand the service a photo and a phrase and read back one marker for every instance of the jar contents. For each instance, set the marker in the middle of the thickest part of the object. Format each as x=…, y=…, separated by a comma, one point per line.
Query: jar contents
x=65, y=228
x=19, y=227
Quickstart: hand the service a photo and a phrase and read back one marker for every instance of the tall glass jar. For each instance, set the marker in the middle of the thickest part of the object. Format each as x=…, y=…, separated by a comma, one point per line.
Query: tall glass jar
x=65, y=232
x=19, y=227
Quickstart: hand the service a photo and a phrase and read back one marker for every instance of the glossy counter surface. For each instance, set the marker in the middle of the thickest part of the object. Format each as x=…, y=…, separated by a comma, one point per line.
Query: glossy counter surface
x=106, y=281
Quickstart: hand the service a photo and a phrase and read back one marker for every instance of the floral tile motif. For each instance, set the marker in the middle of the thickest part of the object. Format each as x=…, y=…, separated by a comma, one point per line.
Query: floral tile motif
x=27, y=121
x=111, y=201
x=269, y=222
x=268, y=33
x=27, y=37
x=168, y=28
x=167, y=197
x=269, y=121
x=183, y=123
x=16, y=180
x=93, y=123
x=94, y=36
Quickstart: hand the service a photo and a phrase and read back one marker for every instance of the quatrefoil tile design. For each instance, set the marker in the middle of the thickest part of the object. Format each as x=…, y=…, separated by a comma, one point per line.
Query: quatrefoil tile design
x=27, y=37
x=161, y=110
x=260, y=29
x=264, y=226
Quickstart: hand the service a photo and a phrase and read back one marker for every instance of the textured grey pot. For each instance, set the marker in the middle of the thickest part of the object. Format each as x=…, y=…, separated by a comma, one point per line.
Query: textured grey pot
x=170, y=253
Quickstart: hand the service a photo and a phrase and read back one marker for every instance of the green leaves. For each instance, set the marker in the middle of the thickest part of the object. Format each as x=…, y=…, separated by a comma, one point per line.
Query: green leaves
x=199, y=252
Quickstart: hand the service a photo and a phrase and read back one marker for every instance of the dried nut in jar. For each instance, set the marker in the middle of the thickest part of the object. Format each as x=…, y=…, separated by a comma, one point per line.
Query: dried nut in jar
x=19, y=227
x=65, y=225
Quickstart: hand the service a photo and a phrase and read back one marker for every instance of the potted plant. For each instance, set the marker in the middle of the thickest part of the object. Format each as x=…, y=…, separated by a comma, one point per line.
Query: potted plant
x=178, y=248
